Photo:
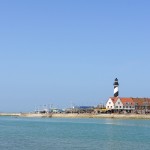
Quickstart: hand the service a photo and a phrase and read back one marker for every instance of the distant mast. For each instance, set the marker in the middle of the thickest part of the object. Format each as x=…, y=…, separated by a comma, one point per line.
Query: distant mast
x=116, y=90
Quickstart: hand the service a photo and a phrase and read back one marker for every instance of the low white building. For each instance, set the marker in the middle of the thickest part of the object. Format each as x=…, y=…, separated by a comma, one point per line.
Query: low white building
x=110, y=103
x=120, y=103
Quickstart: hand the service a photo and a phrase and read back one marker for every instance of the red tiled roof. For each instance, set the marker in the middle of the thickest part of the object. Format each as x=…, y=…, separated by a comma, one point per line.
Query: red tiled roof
x=132, y=101
x=127, y=101
x=141, y=101
x=124, y=100
x=114, y=99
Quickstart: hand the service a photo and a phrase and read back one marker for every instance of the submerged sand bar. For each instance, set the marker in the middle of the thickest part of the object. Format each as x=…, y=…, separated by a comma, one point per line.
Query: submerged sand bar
x=74, y=115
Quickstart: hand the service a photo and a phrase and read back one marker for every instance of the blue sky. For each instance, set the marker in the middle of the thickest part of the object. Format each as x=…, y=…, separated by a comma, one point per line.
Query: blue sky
x=62, y=52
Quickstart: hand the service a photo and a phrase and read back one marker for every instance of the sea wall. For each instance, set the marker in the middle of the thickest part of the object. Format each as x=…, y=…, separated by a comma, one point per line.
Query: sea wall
x=115, y=116
x=74, y=115
x=10, y=114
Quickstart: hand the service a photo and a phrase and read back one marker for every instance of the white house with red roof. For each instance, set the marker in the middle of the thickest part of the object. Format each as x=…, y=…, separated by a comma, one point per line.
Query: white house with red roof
x=110, y=104
x=114, y=103
x=120, y=103
x=128, y=103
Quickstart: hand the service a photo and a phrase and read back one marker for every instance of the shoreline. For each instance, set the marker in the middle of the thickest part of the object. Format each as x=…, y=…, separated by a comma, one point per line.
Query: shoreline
x=112, y=116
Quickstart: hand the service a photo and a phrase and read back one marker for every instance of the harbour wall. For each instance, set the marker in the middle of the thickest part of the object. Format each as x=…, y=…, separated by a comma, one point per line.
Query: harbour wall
x=74, y=115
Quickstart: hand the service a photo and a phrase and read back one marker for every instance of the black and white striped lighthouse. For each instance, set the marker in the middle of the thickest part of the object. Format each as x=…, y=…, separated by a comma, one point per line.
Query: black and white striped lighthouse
x=116, y=90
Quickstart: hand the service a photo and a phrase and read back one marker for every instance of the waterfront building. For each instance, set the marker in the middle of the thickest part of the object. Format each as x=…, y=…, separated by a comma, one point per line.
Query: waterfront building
x=127, y=104
x=120, y=104
x=142, y=105
x=110, y=104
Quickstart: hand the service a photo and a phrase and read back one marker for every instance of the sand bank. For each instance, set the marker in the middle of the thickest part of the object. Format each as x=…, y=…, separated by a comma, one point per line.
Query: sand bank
x=115, y=116
x=10, y=114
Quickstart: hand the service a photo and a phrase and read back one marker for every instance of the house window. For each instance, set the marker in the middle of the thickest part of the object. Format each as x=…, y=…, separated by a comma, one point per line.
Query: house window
x=130, y=106
x=107, y=106
x=120, y=106
x=126, y=106
x=118, y=102
x=109, y=102
x=123, y=106
x=116, y=106
x=111, y=106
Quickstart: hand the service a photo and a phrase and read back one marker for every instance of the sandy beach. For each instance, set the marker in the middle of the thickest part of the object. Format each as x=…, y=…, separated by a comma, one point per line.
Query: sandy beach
x=113, y=116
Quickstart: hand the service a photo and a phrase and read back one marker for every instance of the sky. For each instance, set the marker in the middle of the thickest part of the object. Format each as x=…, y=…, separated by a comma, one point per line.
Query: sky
x=69, y=52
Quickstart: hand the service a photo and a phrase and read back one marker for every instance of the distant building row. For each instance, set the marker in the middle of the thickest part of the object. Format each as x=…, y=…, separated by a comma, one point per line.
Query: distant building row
x=120, y=104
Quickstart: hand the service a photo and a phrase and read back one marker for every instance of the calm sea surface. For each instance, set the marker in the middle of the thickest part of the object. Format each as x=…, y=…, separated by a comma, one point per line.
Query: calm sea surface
x=73, y=134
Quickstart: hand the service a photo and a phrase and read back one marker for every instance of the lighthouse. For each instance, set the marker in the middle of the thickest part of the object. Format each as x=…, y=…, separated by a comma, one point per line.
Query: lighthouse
x=116, y=90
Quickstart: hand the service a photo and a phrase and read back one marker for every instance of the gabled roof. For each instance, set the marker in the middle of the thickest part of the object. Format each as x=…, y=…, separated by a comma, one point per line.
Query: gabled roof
x=124, y=100
x=114, y=99
x=132, y=101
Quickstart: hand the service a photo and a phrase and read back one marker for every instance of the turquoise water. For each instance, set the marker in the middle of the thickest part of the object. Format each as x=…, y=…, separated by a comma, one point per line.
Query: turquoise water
x=73, y=134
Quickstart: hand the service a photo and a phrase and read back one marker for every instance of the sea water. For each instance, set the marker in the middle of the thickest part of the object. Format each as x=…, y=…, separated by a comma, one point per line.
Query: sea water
x=73, y=134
